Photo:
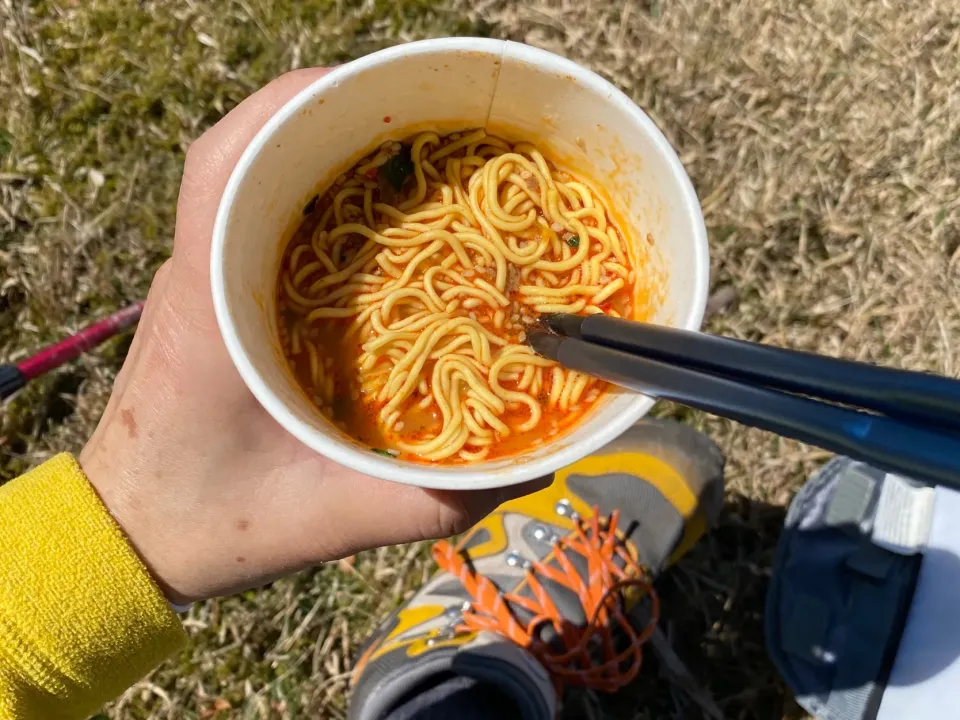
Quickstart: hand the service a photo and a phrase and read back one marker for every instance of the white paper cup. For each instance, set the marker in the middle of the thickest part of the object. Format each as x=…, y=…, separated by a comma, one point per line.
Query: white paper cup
x=581, y=120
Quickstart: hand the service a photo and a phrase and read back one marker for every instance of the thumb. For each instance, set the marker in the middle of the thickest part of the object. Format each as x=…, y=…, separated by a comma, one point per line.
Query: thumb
x=390, y=513
x=460, y=510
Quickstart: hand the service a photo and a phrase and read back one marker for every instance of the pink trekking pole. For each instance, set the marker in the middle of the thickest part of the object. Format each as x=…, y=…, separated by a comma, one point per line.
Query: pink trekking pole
x=15, y=376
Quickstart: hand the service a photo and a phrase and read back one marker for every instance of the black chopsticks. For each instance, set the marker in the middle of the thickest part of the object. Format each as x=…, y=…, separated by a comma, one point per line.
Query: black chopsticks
x=909, y=429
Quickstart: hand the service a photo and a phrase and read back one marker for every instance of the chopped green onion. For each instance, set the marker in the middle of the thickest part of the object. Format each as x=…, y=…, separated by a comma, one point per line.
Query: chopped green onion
x=312, y=205
x=397, y=169
x=381, y=451
x=573, y=241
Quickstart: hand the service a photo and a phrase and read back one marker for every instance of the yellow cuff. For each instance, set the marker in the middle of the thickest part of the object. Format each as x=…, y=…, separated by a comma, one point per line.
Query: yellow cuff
x=80, y=617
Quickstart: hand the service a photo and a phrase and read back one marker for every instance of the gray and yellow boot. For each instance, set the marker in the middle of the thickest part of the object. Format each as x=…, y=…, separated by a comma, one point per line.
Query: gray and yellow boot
x=531, y=597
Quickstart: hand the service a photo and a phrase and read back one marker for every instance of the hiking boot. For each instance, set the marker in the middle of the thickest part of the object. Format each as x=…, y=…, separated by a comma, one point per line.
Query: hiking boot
x=537, y=595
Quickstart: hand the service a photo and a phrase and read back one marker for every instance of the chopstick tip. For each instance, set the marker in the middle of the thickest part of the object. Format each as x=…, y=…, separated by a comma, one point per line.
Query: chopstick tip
x=563, y=324
x=545, y=344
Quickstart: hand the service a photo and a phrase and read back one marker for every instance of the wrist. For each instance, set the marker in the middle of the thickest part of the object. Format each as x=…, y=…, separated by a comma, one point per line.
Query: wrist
x=117, y=482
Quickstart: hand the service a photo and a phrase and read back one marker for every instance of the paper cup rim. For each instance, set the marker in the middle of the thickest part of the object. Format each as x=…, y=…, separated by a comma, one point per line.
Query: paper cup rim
x=448, y=477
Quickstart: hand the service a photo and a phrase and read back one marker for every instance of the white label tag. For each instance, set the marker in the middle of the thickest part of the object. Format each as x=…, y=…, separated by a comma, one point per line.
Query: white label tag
x=904, y=513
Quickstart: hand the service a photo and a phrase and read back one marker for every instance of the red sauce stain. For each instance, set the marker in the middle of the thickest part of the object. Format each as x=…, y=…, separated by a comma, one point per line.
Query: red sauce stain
x=241, y=559
x=129, y=422
x=243, y=525
x=386, y=118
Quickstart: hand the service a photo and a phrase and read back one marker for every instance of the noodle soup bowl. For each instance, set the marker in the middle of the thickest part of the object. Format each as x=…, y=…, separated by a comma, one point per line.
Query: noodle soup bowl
x=581, y=122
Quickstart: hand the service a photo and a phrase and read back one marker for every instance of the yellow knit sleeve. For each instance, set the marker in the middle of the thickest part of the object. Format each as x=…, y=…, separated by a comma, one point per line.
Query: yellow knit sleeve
x=80, y=618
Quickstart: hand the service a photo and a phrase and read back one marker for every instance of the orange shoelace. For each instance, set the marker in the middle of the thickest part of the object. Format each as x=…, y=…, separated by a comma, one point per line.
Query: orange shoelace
x=589, y=657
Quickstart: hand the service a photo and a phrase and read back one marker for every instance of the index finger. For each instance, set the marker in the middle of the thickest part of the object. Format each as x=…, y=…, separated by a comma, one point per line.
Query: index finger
x=210, y=161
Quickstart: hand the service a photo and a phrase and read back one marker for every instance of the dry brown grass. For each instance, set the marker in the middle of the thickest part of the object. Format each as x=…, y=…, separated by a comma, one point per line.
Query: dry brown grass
x=823, y=138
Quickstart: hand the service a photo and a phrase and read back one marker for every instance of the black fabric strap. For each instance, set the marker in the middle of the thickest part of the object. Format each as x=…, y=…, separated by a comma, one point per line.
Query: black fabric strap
x=881, y=587
x=457, y=697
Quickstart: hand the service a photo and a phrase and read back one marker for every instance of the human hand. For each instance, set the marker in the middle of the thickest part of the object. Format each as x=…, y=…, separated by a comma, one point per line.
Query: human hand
x=213, y=494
